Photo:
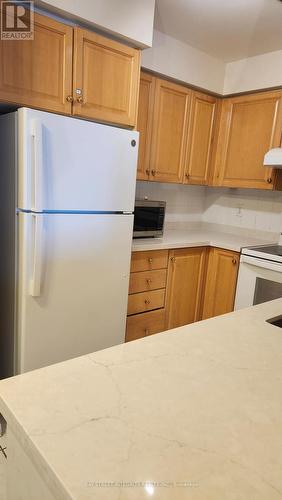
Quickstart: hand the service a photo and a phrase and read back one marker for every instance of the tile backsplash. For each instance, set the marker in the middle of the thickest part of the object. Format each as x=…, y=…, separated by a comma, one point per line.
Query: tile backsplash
x=245, y=208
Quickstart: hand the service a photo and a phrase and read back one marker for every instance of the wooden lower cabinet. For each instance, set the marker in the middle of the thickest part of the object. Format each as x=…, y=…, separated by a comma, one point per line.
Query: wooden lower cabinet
x=186, y=275
x=142, y=325
x=221, y=282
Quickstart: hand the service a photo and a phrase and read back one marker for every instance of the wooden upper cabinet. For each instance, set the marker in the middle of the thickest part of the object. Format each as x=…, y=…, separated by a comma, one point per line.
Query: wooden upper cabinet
x=144, y=124
x=186, y=274
x=221, y=282
x=106, y=79
x=200, y=139
x=38, y=73
x=249, y=126
x=171, y=114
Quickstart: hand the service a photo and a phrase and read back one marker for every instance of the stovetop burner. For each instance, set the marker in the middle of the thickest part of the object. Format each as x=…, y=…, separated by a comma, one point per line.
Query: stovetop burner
x=269, y=249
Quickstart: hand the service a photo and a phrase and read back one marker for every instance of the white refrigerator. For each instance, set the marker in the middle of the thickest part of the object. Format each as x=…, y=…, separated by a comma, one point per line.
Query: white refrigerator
x=67, y=198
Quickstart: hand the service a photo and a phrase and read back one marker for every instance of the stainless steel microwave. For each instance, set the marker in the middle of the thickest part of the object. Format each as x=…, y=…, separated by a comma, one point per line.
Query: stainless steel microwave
x=148, y=218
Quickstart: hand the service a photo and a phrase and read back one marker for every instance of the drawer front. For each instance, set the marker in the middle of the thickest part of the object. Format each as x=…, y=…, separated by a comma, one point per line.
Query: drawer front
x=145, y=324
x=145, y=301
x=147, y=280
x=146, y=261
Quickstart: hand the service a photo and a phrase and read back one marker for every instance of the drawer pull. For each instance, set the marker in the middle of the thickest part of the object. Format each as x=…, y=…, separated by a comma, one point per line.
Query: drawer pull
x=150, y=260
x=146, y=331
x=149, y=281
x=147, y=301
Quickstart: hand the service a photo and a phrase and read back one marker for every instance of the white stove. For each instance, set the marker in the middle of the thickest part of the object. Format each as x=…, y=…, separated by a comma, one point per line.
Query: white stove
x=260, y=275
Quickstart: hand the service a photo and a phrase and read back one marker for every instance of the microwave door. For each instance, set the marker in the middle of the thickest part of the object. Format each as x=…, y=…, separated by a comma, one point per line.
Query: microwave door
x=148, y=221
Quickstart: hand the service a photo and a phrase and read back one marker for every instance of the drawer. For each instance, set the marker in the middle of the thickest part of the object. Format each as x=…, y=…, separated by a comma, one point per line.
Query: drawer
x=145, y=301
x=146, y=261
x=147, y=280
x=142, y=325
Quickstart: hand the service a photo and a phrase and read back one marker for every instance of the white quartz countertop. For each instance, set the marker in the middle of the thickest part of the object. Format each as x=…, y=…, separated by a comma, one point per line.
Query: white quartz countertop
x=215, y=235
x=195, y=411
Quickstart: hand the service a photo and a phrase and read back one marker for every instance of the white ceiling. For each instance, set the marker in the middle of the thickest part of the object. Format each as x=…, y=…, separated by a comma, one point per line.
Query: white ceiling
x=227, y=29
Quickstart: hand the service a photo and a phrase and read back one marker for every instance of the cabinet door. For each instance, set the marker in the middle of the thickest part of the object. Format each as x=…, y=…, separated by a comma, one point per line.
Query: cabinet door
x=221, y=282
x=106, y=79
x=171, y=114
x=38, y=73
x=250, y=125
x=144, y=124
x=200, y=139
x=186, y=274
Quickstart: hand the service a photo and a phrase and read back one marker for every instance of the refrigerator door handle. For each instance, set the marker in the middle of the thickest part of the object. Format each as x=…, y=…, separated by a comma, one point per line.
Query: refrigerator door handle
x=37, y=135
x=35, y=282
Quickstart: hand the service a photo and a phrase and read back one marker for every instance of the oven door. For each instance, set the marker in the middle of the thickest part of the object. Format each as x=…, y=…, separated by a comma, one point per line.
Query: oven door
x=258, y=281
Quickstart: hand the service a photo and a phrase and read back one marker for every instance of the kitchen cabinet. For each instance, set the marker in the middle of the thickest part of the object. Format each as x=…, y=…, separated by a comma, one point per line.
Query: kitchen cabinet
x=145, y=123
x=106, y=79
x=38, y=73
x=221, y=282
x=186, y=276
x=200, y=139
x=249, y=126
x=169, y=132
x=147, y=294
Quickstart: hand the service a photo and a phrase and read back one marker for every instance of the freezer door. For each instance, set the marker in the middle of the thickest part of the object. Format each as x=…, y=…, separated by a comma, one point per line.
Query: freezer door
x=65, y=163
x=73, y=274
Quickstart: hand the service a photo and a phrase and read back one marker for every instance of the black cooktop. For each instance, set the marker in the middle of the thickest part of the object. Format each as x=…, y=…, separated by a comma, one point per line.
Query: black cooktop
x=269, y=249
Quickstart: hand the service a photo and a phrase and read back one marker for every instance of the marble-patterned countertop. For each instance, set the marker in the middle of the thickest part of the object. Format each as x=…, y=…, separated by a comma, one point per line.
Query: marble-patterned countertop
x=192, y=413
x=204, y=234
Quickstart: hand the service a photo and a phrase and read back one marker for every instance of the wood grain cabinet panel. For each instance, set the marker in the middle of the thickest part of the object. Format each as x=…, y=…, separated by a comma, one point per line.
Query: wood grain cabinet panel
x=171, y=114
x=249, y=126
x=145, y=301
x=186, y=273
x=147, y=280
x=148, y=260
x=144, y=124
x=145, y=324
x=221, y=282
x=200, y=139
x=107, y=74
x=38, y=73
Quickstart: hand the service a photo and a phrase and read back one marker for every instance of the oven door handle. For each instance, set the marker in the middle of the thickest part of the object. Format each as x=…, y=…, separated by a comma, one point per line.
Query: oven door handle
x=264, y=264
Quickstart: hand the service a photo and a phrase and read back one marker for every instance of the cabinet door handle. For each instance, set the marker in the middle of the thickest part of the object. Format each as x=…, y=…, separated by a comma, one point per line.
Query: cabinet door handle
x=172, y=259
x=69, y=98
x=147, y=301
x=153, y=172
x=147, y=171
x=80, y=99
x=234, y=261
x=187, y=175
x=269, y=180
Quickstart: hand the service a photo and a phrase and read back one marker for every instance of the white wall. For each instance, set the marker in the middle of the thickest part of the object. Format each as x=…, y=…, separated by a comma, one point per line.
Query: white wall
x=183, y=62
x=184, y=203
x=132, y=19
x=252, y=209
x=254, y=73
x=248, y=209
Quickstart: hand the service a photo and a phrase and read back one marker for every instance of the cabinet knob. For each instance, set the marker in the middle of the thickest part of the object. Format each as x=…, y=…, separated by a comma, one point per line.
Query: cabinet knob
x=150, y=260
x=69, y=98
x=269, y=180
x=146, y=331
x=149, y=281
x=187, y=176
x=80, y=99
x=172, y=259
x=153, y=172
x=234, y=261
x=147, y=171
x=147, y=301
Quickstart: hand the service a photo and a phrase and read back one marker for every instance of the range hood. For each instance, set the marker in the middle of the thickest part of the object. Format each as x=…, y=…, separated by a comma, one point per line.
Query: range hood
x=273, y=158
